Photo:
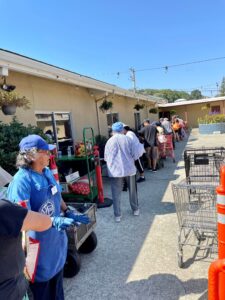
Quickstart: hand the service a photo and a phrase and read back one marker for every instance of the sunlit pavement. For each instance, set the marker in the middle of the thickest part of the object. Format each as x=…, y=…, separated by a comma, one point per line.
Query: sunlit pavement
x=137, y=258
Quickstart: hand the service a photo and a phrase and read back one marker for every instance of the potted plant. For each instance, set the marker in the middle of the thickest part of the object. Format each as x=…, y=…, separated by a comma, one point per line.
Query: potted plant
x=153, y=110
x=138, y=106
x=106, y=105
x=172, y=112
x=9, y=101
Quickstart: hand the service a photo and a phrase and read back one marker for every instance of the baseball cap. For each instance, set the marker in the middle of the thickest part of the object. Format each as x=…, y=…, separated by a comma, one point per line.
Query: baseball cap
x=35, y=141
x=117, y=127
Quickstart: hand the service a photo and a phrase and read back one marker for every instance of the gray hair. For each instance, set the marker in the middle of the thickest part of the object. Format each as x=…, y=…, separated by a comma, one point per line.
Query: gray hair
x=25, y=158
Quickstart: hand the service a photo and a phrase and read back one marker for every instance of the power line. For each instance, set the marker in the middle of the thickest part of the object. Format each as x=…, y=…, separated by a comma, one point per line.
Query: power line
x=166, y=67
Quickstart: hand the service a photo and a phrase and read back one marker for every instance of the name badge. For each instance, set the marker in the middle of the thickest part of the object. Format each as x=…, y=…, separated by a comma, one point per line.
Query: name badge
x=54, y=190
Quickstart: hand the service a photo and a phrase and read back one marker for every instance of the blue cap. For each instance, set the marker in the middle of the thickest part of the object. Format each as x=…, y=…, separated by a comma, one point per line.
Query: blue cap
x=35, y=141
x=117, y=127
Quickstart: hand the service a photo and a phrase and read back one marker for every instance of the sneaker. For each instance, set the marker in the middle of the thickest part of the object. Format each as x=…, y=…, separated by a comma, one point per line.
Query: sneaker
x=136, y=212
x=154, y=170
x=117, y=219
x=140, y=179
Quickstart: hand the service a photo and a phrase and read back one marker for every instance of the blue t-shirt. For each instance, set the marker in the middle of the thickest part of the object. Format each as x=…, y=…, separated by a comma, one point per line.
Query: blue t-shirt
x=37, y=189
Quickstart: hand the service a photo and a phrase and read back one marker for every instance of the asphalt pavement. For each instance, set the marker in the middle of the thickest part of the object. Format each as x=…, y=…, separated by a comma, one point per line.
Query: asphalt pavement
x=136, y=259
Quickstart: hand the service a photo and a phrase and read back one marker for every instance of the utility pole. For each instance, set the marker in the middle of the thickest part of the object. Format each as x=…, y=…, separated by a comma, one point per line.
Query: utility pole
x=217, y=88
x=133, y=78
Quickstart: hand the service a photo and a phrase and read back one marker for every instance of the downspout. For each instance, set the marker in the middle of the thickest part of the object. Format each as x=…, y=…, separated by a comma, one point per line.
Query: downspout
x=98, y=122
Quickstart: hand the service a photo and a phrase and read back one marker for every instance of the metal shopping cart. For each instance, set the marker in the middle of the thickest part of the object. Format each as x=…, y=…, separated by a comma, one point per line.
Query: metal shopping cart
x=196, y=211
x=203, y=164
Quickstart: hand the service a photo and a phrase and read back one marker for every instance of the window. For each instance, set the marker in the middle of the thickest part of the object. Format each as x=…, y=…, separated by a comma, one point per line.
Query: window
x=112, y=118
x=137, y=120
x=56, y=125
x=215, y=109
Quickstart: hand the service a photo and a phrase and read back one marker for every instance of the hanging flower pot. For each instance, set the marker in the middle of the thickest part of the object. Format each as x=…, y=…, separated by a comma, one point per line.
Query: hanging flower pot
x=9, y=109
x=106, y=105
x=153, y=110
x=9, y=101
x=138, y=106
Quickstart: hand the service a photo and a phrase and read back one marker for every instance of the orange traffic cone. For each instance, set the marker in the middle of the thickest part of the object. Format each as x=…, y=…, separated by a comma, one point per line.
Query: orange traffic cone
x=217, y=268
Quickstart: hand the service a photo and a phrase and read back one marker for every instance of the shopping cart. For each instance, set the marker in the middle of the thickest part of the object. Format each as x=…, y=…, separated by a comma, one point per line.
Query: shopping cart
x=196, y=211
x=166, y=147
x=203, y=164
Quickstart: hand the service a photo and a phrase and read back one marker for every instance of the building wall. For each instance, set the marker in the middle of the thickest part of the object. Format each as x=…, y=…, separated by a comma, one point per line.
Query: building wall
x=124, y=106
x=47, y=95
x=191, y=113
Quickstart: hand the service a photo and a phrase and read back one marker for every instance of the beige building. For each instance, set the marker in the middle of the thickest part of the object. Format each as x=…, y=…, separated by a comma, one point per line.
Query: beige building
x=191, y=110
x=65, y=102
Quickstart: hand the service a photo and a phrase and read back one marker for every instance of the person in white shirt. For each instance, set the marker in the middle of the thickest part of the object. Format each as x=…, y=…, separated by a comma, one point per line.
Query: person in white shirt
x=120, y=155
x=139, y=148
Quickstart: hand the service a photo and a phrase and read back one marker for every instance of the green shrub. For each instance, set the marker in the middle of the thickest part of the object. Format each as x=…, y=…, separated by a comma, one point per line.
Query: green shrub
x=211, y=119
x=10, y=137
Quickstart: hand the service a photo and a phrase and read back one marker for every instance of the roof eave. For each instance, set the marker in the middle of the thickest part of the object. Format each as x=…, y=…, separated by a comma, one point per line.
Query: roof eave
x=22, y=64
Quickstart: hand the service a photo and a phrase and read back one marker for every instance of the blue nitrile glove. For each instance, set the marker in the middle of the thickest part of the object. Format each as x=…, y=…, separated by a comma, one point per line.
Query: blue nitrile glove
x=84, y=219
x=61, y=223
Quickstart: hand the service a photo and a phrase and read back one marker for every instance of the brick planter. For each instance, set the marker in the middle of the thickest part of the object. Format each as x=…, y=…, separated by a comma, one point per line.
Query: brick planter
x=212, y=128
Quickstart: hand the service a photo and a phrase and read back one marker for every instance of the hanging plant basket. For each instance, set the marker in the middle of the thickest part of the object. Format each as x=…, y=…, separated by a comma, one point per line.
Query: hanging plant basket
x=106, y=105
x=173, y=112
x=138, y=106
x=9, y=101
x=153, y=110
x=9, y=110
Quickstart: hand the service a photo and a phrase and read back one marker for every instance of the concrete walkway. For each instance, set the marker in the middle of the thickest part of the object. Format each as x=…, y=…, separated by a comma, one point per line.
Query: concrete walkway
x=137, y=258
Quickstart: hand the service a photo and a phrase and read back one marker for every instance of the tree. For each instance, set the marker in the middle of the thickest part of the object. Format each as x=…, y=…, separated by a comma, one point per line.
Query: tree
x=222, y=87
x=196, y=94
x=170, y=95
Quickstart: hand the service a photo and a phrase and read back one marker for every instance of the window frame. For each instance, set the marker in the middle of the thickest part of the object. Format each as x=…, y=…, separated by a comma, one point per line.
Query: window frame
x=54, y=122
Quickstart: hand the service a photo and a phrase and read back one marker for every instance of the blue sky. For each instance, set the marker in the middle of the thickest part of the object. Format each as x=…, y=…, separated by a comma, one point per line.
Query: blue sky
x=100, y=38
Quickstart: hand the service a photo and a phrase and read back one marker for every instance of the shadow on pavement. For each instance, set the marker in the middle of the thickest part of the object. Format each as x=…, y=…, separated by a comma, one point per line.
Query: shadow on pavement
x=159, y=287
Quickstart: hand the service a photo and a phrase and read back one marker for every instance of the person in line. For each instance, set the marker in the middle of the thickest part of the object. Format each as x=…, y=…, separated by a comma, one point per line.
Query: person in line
x=177, y=130
x=13, y=220
x=167, y=126
x=35, y=183
x=120, y=155
x=168, y=130
x=150, y=136
x=139, y=148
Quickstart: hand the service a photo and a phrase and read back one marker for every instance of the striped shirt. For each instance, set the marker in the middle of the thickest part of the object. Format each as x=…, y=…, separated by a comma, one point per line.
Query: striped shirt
x=119, y=156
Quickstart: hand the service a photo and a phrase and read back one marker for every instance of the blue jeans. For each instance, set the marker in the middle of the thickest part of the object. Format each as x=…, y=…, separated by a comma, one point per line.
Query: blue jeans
x=116, y=187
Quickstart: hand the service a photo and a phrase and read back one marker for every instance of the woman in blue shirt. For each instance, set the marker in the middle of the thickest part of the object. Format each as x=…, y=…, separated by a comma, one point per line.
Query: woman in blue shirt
x=34, y=182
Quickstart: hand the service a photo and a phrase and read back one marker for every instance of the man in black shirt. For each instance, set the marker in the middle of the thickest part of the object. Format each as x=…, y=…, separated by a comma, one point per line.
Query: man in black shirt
x=150, y=134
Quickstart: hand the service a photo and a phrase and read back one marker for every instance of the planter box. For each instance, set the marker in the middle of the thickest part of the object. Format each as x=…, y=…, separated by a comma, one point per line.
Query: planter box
x=212, y=128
